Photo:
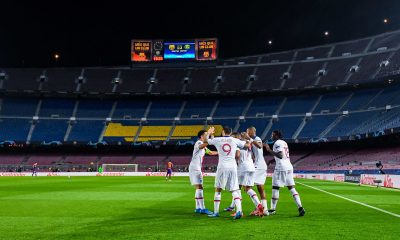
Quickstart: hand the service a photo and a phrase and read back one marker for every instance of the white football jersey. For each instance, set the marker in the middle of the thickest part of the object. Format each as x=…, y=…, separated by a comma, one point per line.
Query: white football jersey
x=259, y=161
x=226, y=147
x=197, y=157
x=283, y=164
x=246, y=161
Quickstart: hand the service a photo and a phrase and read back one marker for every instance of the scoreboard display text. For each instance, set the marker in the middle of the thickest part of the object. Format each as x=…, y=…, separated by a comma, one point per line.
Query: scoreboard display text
x=174, y=50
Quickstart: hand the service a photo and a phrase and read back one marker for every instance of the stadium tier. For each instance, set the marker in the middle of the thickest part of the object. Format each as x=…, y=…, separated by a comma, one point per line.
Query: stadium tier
x=354, y=62
x=332, y=114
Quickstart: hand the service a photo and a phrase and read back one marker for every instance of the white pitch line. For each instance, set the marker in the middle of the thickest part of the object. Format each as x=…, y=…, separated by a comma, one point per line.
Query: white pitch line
x=351, y=200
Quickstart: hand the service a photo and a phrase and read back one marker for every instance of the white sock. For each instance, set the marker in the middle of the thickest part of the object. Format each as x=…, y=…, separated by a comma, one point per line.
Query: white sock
x=238, y=201
x=296, y=197
x=253, y=195
x=217, y=201
x=264, y=203
x=274, y=199
x=199, y=199
x=232, y=203
x=196, y=198
x=201, y=202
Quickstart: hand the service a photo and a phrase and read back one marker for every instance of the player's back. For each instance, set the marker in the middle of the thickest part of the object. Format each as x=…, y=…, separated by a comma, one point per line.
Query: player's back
x=226, y=148
x=246, y=161
x=259, y=161
x=284, y=163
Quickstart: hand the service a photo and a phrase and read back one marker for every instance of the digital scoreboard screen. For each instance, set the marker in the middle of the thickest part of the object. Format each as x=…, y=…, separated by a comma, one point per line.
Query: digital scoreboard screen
x=174, y=50
x=182, y=50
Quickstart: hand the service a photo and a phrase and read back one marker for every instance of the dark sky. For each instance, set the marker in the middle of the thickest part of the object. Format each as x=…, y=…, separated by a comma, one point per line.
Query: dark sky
x=99, y=32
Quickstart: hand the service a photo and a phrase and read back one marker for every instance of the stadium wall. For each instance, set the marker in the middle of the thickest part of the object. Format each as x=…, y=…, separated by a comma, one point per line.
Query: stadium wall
x=388, y=181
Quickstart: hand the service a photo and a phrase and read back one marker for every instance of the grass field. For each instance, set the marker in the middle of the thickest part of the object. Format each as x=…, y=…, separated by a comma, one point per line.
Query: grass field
x=151, y=208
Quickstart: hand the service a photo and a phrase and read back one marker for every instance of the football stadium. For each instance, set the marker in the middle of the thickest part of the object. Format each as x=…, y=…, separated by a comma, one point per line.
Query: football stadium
x=262, y=120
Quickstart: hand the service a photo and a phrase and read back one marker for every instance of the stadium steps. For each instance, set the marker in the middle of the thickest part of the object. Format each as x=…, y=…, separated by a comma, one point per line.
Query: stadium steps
x=79, y=85
x=380, y=68
x=248, y=87
x=372, y=39
x=299, y=128
x=105, y=124
x=270, y=123
x=118, y=77
x=40, y=87
x=181, y=109
x=331, y=126
x=178, y=117
x=300, y=159
x=345, y=102
x=365, y=106
x=289, y=69
x=325, y=64
x=350, y=74
x=25, y=159
x=154, y=76
x=316, y=83
x=171, y=131
x=33, y=125
x=244, y=112
x=216, y=86
x=304, y=122
x=135, y=139
x=148, y=108
x=70, y=126
x=214, y=108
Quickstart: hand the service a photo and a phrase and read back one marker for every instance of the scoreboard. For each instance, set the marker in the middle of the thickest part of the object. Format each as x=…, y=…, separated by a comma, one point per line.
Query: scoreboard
x=174, y=50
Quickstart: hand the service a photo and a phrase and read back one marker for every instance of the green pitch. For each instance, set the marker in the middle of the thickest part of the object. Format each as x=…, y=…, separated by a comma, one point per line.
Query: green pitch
x=151, y=208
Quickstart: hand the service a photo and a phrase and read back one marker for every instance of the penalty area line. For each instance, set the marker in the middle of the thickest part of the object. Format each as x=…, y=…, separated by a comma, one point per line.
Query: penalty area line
x=351, y=200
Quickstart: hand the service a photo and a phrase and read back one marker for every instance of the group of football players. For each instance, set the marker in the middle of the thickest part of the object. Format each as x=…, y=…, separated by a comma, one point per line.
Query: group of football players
x=241, y=165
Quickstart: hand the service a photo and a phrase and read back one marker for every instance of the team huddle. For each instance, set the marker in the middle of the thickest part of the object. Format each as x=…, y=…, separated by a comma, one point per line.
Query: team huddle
x=241, y=165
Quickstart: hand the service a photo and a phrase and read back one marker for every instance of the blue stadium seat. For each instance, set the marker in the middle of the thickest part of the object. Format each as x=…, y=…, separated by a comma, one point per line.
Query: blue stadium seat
x=13, y=106
x=130, y=109
x=94, y=108
x=86, y=130
x=14, y=129
x=50, y=130
x=58, y=107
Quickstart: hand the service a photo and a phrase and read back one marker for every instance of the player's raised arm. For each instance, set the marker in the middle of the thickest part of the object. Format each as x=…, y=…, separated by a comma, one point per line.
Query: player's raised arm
x=278, y=154
x=209, y=136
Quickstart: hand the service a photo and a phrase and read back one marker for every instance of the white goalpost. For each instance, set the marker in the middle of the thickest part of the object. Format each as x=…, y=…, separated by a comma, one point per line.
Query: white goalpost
x=120, y=167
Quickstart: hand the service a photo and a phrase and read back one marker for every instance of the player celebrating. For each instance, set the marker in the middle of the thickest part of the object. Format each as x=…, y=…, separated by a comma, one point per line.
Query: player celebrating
x=246, y=177
x=226, y=177
x=283, y=174
x=195, y=171
x=260, y=174
x=169, y=171
x=34, y=169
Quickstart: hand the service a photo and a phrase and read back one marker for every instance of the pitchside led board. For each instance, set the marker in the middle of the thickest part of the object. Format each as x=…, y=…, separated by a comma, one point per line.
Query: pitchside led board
x=174, y=50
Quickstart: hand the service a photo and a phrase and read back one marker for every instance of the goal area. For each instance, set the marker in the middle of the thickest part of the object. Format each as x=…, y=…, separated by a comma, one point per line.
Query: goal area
x=120, y=167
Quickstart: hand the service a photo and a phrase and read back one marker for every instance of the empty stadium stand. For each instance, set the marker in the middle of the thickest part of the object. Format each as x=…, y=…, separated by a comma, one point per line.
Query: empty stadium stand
x=331, y=92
